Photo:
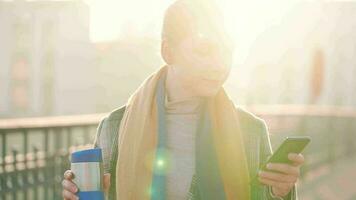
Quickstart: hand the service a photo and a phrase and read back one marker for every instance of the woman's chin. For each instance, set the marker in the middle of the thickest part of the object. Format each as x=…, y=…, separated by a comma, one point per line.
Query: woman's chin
x=208, y=91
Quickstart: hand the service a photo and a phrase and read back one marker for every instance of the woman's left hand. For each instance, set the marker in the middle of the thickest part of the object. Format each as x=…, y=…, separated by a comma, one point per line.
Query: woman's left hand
x=284, y=176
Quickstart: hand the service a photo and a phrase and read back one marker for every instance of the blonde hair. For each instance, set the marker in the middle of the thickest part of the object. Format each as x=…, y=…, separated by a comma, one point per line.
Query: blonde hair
x=185, y=17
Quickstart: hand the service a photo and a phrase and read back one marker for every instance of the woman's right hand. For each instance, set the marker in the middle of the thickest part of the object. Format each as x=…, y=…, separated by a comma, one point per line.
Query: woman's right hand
x=69, y=188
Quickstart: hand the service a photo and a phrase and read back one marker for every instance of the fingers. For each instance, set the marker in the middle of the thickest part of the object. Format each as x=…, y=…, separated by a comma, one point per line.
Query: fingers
x=70, y=186
x=69, y=190
x=280, y=192
x=69, y=175
x=284, y=168
x=280, y=185
x=106, y=182
x=278, y=177
x=297, y=159
x=69, y=196
x=282, y=177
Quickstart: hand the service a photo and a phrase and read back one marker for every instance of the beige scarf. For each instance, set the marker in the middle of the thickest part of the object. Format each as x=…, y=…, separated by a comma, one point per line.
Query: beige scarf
x=138, y=141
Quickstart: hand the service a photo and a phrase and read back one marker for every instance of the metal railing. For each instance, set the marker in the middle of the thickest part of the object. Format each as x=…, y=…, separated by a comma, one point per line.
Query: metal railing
x=34, y=151
x=332, y=129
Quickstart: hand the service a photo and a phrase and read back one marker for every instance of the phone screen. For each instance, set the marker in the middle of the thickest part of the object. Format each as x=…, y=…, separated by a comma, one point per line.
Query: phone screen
x=290, y=145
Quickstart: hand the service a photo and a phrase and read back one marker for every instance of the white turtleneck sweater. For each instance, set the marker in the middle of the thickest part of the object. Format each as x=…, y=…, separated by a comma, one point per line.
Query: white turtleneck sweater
x=182, y=120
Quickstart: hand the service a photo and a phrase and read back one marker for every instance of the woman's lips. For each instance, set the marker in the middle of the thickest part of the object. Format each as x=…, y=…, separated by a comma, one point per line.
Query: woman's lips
x=212, y=80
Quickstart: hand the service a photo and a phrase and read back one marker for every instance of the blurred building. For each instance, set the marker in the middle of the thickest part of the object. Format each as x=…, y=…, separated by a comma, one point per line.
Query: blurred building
x=122, y=66
x=48, y=65
x=307, y=58
x=46, y=58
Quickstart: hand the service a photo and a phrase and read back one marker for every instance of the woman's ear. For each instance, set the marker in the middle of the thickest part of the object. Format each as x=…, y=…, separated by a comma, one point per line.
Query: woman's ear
x=166, y=52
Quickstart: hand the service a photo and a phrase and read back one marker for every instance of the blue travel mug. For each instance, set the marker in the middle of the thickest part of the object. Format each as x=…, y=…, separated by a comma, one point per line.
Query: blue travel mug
x=88, y=171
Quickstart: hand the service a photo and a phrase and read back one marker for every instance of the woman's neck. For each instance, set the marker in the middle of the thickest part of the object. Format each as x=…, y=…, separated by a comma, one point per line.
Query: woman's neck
x=174, y=88
x=179, y=100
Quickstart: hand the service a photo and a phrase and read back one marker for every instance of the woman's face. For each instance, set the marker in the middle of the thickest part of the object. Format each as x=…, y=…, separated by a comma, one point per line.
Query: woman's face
x=202, y=63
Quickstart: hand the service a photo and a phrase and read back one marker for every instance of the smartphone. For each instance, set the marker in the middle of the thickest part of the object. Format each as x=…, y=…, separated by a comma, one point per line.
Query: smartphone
x=294, y=144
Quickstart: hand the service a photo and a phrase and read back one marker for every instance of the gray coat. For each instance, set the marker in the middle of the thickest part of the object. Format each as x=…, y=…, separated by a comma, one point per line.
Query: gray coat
x=256, y=140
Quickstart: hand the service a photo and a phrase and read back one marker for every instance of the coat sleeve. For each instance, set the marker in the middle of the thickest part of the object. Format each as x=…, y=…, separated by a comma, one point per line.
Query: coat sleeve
x=266, y=151
x=97, y=135
x=104, y=139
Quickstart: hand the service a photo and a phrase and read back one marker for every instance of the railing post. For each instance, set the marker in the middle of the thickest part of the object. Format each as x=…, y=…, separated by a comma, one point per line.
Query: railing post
x=354, y=135
x=24, y=173
x=302, y=131
x=58, y=139
x=349, y=139
x=3, y=139
x=35, y=173
x=86, y=134
x=57, y=163
x=3, y=177
x=331, y=142
x=47, y=165
x=14, y=178
x=69, y=137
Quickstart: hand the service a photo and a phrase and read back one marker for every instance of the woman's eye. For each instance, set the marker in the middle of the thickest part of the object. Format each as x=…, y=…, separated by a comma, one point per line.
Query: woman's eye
x=203, y=51
x=206, y=49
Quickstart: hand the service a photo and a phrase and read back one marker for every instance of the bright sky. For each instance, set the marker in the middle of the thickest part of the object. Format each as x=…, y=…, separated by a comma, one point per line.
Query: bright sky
x=108, y=17
x=244, y=19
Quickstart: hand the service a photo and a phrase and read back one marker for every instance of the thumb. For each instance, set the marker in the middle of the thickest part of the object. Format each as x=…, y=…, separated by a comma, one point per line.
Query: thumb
x=106, y=182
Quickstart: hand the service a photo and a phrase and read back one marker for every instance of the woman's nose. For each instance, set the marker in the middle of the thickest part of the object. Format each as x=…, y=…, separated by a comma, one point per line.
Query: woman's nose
x=218, y=71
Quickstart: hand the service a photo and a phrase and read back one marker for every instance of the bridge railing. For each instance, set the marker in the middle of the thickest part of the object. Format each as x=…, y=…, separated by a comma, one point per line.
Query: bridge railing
x=35, y=151
x=331, y=128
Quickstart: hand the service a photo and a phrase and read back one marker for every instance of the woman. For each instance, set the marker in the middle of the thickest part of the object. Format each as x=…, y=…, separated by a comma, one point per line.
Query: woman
x=179, y=136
